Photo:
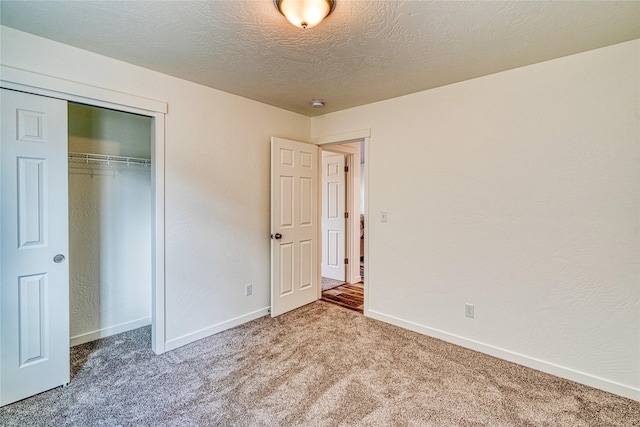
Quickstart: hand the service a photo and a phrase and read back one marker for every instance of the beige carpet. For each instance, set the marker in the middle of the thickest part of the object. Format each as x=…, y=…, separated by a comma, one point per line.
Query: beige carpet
x=321, y=365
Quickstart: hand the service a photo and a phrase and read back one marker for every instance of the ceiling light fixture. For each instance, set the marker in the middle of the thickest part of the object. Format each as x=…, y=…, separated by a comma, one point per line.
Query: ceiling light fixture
x=305, y=13
x=316, y=103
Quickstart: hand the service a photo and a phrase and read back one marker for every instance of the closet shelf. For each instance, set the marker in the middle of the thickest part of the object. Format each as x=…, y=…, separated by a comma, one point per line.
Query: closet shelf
x=105, y=159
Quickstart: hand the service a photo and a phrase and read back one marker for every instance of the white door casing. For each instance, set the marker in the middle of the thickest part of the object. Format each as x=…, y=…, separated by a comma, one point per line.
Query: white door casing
x=333, y=216
x=34, y=293
x=294, y=228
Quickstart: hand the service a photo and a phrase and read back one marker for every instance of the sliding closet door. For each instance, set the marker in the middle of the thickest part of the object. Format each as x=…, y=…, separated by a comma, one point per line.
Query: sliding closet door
x=34, y=293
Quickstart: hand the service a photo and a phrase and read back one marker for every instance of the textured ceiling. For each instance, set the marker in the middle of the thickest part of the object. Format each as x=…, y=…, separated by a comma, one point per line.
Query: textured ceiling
x=365, y=51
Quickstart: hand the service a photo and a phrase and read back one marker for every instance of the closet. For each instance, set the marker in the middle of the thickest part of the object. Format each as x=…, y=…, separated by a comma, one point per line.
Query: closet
x=109, y=222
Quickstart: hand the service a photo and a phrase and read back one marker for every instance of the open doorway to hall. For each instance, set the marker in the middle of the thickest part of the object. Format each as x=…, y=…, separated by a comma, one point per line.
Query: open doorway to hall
x=342, y=225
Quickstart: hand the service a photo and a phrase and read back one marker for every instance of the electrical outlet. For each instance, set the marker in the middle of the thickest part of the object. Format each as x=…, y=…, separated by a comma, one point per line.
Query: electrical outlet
x=468, y=310
x=248, y=289
x=384, y=215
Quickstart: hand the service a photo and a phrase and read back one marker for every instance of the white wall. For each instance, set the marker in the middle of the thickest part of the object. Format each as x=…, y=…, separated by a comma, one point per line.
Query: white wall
x=217, y=182
x=109, y=225
x=517, y=192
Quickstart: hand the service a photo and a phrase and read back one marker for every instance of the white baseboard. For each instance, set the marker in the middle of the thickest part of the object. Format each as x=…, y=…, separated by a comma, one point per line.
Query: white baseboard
x=214, y=329
x=520, y=359
x=111, y=330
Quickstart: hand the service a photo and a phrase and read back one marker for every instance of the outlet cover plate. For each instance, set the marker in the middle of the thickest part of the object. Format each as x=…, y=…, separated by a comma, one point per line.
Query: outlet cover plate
x=468, y=310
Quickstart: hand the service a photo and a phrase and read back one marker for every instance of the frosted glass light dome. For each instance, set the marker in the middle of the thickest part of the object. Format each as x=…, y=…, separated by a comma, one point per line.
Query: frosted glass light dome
x=305, y=13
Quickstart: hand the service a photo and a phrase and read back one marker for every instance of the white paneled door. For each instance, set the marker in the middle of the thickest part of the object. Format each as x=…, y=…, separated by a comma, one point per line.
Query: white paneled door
x=294, y=228
x=333, y=216
x=34, y=293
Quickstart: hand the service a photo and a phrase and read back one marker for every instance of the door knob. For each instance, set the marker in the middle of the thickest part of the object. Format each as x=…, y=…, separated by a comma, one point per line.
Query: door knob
x=58, y=258
x=276, y=236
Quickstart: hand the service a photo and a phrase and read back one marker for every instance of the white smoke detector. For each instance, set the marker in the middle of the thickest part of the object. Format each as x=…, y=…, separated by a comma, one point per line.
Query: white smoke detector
x=316, y=103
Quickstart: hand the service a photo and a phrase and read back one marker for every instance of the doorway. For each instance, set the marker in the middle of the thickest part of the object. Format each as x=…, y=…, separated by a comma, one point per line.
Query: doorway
x=71, y=91
x=347, y=188
x=110, y=214
x=37, y=203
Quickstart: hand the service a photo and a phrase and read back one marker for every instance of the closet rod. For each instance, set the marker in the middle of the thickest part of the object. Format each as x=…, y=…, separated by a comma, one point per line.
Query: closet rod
x=103, y=158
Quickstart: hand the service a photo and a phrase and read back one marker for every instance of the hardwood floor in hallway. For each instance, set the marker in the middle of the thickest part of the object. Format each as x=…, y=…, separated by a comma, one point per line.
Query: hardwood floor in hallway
x=349, y=296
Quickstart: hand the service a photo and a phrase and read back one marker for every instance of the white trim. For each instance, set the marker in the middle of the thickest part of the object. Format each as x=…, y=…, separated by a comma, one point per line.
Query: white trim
x=520, y=359
x=367, y=221
x=158, y=305
x=214, y=329
x=343, y=138
x=319, y=222
x=39, y=84
x=54, y=87
x=107, y=332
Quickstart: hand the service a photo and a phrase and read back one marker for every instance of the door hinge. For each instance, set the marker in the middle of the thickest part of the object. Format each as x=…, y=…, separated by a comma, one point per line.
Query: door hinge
x=346, y=215
x=346, y=260
x=346, y=168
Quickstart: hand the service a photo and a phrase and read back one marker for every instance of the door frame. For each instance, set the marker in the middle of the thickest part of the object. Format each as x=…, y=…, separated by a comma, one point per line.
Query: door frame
x=325, y=142
x=53, y=87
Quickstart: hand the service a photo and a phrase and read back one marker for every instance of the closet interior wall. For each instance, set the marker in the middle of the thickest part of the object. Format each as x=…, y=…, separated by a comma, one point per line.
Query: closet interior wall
x=109, y=224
